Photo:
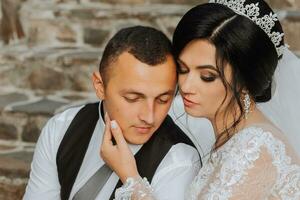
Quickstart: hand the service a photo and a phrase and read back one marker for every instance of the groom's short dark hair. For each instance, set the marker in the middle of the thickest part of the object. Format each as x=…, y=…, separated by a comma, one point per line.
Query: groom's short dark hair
x=146, y=44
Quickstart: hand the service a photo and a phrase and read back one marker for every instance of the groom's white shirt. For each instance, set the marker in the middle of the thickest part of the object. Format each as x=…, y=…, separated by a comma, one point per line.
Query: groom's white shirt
x=172, y=177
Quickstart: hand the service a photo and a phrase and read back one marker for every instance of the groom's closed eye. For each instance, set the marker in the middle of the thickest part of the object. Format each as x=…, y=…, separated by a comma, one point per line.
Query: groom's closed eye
x=163, y=99
x=131, y=98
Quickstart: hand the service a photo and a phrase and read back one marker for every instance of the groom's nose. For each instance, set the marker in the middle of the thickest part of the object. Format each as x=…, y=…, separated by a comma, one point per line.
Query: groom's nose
x=147, y=113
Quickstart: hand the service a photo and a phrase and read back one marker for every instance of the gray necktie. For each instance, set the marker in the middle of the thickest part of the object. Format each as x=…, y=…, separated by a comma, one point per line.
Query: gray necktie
x=92, y=187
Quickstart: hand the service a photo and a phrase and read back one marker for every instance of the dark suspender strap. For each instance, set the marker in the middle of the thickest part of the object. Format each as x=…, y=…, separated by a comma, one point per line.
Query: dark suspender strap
x=73, y=147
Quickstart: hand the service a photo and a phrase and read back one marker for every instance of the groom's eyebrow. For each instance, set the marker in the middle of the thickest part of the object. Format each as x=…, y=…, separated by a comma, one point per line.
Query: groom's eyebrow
x=126, y=91
x=169, y=92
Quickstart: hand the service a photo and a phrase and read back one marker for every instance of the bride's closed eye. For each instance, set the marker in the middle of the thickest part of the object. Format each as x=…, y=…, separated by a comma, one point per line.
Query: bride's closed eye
x=182, y=69
x=208, y=76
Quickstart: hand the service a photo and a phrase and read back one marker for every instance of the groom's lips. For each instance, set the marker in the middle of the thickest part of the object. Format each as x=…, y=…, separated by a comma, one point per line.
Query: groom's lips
x=143, y=129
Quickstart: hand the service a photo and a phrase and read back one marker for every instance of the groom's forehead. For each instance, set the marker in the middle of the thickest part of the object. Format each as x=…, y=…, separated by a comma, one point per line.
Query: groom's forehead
x=129, y=68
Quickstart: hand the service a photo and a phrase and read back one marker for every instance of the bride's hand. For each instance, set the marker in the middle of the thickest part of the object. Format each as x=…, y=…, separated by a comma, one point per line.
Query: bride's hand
x=118, y=157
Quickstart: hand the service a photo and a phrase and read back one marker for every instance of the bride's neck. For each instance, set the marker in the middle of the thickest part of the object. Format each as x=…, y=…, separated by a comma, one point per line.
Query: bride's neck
x=223, y=123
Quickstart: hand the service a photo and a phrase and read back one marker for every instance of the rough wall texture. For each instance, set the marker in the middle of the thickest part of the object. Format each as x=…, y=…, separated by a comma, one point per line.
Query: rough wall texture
x=50, y=69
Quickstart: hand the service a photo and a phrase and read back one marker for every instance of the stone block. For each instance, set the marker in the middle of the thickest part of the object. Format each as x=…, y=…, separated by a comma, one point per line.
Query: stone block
x=168, y=24
x=66, y=34
x=79, y=58
x=45, y=32
x=31, y=131
x=42, y=107
x=120, y=1
x=95, y=36
x=82, y=14
x=13, y=168
x=66, y=1
x=6, y=147
x=191, y=2
x=42, y=32
x=73, y=97
x=46, y=79
x=8, y=131
x=11, y=125
x=14, y=76
x=292, y=34
x=293, y=16
x=284, y=4
x=81, y=81
x=11, y=191
x=24, y=157
x=11, y=98
x=13, y=178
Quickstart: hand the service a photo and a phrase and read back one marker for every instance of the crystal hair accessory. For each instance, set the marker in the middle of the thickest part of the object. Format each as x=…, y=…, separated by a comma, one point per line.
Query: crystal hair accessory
x=251, y=11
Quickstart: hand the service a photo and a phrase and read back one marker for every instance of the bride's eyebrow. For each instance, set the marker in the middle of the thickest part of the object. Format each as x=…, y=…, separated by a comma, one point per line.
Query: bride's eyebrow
x=205, y=66
x=181, y=62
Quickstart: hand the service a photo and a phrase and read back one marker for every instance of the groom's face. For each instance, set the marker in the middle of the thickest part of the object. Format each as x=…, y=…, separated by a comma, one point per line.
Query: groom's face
x=138, y=96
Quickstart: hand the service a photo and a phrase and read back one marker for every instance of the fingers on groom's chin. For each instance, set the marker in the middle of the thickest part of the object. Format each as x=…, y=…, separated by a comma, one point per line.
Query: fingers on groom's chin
x=114, y=124
x=117, y=133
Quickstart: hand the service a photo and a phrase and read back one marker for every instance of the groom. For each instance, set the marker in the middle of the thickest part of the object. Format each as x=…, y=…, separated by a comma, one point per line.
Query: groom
x=136, y=84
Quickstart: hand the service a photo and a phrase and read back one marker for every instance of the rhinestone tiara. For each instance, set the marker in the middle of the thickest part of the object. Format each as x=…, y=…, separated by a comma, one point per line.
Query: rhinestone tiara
x=251, y=11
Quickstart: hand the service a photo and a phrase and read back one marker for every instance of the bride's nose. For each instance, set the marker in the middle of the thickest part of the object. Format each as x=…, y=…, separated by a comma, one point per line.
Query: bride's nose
x=187, y=84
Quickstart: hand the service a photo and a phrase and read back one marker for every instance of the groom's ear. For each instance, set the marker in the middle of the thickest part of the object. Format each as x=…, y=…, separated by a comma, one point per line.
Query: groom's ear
x=98, y=85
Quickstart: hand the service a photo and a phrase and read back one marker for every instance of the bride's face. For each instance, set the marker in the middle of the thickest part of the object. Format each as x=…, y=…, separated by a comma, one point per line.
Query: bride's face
x=200, y=84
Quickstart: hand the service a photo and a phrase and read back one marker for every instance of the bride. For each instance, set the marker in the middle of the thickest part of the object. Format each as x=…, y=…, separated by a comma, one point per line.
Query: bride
x=227, y=53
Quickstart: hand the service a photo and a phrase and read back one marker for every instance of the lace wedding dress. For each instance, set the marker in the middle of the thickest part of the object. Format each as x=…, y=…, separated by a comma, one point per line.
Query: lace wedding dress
x=256, y=163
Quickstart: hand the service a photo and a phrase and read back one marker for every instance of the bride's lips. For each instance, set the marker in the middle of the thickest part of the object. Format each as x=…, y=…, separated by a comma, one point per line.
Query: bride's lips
x=188, y=103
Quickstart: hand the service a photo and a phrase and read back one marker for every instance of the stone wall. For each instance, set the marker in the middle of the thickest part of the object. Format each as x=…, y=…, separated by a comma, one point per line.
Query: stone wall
x=50, y=69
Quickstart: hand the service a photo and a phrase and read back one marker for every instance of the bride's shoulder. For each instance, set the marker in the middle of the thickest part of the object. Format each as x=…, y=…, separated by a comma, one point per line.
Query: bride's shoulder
x=255, y=138
x=262, y=134
x=246, y=143
x=251, y=136
x=258, y=135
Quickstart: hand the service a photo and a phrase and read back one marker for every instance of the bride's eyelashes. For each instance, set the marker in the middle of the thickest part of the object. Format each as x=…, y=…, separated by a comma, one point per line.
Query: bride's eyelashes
x=208, y=77
x=205, y=76
x=182, y=70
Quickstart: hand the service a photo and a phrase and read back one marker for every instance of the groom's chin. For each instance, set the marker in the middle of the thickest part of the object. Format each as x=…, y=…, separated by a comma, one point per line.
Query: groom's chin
x=137, y=138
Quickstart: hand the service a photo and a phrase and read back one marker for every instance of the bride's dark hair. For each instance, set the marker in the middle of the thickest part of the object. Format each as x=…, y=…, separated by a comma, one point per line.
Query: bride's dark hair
x=239, y=42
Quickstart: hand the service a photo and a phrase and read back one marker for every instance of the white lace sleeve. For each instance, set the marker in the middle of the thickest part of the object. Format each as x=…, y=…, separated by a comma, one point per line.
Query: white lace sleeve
x=135, y=189
x=252, y=165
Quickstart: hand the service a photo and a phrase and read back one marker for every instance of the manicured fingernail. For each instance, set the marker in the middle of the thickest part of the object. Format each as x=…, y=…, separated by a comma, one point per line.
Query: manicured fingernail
x=113, y=124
